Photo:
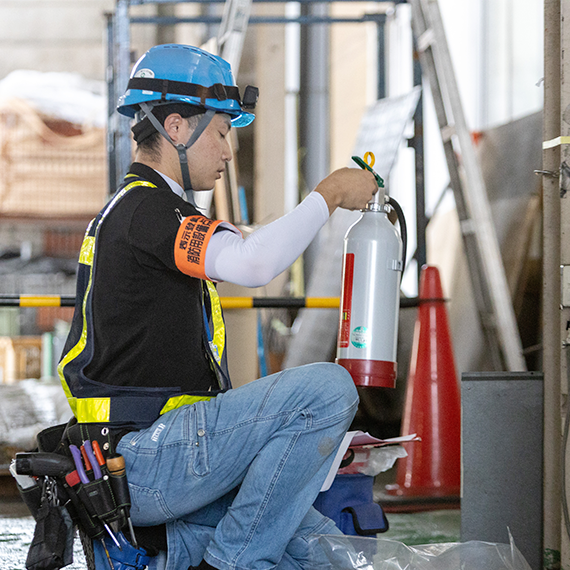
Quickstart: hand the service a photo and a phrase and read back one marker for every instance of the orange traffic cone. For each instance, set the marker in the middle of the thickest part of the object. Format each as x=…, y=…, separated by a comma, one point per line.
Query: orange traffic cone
x=432, y=469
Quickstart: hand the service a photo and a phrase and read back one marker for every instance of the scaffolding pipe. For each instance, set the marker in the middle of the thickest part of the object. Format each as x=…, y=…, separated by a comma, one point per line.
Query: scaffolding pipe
x=551, y=290
x=227, y=302
x=122, y=64
x=315, y=116
x=111, y=153
x=291, y=119
x=417, y=143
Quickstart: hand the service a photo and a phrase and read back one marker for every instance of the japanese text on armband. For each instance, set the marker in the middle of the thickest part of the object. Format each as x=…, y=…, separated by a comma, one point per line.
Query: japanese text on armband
x=191, y=241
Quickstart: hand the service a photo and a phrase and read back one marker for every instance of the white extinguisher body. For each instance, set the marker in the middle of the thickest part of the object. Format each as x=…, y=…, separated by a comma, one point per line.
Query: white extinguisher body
x=370, y=300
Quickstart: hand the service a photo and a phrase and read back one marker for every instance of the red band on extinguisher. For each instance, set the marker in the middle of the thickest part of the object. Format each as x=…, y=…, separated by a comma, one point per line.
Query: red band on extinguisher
x=347, y=282
x=375, y=373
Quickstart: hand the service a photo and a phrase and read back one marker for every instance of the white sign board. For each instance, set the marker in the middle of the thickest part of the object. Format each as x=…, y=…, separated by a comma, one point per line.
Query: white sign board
x=382, y=129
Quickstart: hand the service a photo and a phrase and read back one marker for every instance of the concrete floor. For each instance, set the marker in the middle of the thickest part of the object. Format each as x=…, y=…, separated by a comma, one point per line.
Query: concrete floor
x=16, y=530
x=427, y=527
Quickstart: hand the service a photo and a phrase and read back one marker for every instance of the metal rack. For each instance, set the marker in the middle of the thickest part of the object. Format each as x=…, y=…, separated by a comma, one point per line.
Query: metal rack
x=119, y=64
x=486, y=268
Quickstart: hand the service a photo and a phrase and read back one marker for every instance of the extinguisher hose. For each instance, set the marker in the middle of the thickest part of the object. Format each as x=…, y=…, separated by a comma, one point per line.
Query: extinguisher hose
x=403, y=231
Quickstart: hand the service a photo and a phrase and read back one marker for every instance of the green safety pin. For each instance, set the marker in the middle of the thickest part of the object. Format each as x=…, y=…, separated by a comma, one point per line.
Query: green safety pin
x=365, y=166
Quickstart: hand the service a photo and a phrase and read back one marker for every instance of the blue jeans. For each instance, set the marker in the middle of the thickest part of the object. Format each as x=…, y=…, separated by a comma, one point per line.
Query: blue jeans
x=234, y=478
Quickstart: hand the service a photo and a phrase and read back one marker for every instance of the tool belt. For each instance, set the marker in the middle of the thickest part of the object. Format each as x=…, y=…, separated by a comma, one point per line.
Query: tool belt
x=75, y=471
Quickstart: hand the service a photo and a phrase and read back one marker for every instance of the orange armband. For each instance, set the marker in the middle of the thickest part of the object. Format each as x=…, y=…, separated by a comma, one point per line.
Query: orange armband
x=191, y=243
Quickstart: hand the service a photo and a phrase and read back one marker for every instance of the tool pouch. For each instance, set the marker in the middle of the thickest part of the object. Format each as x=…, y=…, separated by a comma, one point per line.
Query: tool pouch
x=51, y=439
x=32, y=497
x=94, y=504
x=97, y=496
x=48, y=544
x=52, y=544
x=82, y=517
x=120, y=490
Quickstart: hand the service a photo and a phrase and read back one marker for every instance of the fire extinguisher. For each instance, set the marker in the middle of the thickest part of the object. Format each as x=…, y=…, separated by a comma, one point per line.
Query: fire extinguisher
x=373, y=264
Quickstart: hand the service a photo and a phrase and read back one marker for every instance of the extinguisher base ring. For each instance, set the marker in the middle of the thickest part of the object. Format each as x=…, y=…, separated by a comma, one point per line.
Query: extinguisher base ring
x=371, y=373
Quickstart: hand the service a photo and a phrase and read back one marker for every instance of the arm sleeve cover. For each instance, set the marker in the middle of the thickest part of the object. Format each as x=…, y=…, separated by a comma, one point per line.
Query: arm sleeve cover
x=257, y=259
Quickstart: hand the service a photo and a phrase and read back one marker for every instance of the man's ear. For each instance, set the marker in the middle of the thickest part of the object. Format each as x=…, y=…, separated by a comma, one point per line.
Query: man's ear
x=172, y=125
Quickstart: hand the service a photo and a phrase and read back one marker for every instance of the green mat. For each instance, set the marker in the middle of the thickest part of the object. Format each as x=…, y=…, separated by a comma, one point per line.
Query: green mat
x=424, y=528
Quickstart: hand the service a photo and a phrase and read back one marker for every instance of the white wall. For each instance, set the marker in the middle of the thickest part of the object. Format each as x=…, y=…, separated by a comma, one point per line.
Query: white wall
x=70, y=35
x=53, y=35
x=496, y=47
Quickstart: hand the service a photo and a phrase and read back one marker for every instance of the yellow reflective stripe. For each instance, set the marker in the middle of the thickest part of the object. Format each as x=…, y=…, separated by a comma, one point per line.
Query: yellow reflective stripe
x=75, y=403
x=75, y=351
x=219, y=334
x=87, y=250
x=89, y=410
x=121, y=194
x=138, y=183
x=179, y=401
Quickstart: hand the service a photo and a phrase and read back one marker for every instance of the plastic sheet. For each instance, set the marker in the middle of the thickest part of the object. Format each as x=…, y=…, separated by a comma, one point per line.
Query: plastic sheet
x=67, y=96
x=373, y=460
x=28, y=407
x=359, y=553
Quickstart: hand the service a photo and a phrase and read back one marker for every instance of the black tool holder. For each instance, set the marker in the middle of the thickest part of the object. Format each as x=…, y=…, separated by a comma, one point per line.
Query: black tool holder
x=99, y=507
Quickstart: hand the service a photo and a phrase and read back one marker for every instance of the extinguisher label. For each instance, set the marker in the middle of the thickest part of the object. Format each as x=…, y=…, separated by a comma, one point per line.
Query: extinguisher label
x=360, y=337
x=348, y=280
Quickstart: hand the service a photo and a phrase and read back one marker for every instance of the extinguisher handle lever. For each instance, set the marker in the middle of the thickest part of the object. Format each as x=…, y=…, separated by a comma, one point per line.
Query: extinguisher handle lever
x=364, y=166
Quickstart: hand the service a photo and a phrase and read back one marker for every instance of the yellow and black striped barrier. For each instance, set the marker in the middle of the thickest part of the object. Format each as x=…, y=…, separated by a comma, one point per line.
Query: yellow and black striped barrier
x=37, y=301
x=280, y=302
x=227, y=302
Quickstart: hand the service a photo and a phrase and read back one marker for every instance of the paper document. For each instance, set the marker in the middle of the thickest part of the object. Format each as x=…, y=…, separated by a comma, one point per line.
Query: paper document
x=360, y=439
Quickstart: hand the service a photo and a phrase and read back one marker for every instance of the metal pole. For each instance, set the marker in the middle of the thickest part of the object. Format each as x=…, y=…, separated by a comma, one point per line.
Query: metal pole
x=418, y=146
x=551, y=289
x=317, y=99
x=381, y=41
x=122, y=64
x=111, y=97
x=291, y=119
x=14, y=300
x=315, y=118
x=165, y=33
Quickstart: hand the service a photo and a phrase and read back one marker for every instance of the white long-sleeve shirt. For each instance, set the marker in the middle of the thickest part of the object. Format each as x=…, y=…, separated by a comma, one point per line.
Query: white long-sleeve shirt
x=257, y=259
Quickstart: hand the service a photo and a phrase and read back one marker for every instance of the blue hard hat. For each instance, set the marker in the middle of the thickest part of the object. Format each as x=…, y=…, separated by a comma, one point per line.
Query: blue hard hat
x=186, y=74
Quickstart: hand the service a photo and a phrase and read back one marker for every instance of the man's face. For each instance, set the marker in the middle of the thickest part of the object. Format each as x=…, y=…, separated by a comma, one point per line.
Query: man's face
x=207, y=157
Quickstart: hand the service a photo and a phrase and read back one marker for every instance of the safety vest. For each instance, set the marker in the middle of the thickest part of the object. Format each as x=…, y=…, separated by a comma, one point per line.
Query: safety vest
x=127, y=406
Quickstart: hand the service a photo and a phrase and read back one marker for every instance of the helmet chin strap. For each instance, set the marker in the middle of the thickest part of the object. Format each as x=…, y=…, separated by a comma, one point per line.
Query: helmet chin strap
x=181, y=148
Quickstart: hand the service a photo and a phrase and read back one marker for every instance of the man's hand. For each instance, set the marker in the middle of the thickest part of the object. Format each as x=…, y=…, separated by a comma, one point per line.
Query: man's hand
x=348, y=188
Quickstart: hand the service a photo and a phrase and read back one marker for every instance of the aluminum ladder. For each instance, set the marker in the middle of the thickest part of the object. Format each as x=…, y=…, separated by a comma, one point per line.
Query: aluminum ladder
x=487, y=273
